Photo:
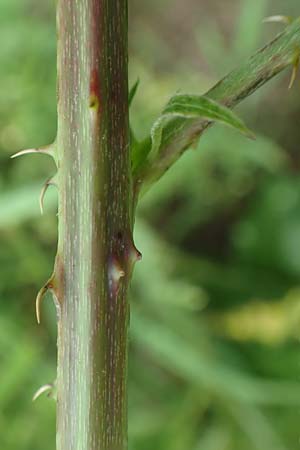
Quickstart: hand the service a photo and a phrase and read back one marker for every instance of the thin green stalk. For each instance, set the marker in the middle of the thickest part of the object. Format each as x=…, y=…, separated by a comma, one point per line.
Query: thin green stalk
x=181, y=133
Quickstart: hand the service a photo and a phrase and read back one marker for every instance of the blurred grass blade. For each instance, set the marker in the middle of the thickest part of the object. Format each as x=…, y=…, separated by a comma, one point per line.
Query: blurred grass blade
x=22, y=204
x=176, y=355
x=255, y=423
x=248, y=28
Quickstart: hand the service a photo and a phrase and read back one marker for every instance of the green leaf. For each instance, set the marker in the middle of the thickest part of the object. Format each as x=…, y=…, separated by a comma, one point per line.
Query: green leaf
x=133, y=91
x=156, y=133
x=139, y=153
x=133, y=141
x=206, y=108
x=195, y=106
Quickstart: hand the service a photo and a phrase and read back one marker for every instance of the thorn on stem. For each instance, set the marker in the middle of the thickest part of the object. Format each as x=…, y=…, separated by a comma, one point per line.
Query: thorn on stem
x=134, y=254
x=42, y=390
x=50, y=182
x=47, y=150
x=41, y=294
x=294, y=72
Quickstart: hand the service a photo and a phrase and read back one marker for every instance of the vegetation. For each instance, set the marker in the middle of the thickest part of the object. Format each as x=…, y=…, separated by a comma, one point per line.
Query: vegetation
x=215, y=303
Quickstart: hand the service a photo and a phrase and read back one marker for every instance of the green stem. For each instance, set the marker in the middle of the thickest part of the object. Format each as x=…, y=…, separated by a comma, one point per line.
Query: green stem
x=180, y=133
x=95, y=248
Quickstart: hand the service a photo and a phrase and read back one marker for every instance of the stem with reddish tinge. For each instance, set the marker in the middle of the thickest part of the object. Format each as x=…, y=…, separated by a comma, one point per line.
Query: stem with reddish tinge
x=95, y=249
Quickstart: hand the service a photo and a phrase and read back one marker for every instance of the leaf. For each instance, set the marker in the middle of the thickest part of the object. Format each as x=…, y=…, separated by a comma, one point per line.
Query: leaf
x=156, y=133
x=206, y=108
x=195, y=106
x=139, y=153
x=133, y=141
x=133, y=91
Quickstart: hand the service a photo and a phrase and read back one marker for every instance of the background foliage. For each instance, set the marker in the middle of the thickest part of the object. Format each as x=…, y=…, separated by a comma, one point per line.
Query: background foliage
x=214, y=361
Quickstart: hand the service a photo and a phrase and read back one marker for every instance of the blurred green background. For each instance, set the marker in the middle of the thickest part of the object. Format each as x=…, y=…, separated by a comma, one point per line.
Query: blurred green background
x=215, y=324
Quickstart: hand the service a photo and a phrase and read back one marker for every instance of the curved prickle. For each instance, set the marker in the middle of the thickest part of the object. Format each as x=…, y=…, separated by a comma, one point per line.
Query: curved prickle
x=46, y=388
x=46, y=150
x=43, y=150
x=52, y=181
x=41, y=294
x=294, y=71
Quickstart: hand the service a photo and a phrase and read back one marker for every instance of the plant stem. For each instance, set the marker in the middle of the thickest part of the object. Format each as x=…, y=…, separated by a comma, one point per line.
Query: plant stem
x=95, y=248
